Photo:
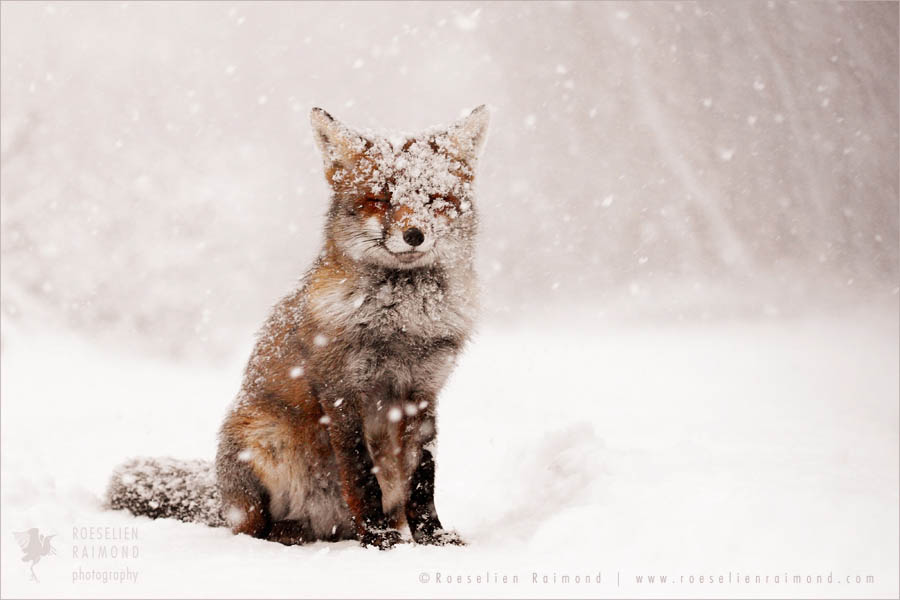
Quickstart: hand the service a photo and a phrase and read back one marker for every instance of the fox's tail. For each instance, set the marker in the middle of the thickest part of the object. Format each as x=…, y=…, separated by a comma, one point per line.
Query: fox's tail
x=162, y=488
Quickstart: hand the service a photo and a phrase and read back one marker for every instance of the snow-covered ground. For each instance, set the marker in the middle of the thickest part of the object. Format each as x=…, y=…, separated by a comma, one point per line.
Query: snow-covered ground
x=757, y=447
x=727, y=165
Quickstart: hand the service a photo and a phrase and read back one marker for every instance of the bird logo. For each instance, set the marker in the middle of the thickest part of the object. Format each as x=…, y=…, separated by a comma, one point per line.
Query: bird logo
x=34, y=547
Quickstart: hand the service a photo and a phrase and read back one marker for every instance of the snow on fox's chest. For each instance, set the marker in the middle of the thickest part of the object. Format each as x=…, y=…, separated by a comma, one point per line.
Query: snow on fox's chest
x=415, y=306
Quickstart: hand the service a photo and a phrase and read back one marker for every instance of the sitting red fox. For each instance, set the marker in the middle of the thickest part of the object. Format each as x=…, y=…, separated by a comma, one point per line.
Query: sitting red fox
x=331, y=435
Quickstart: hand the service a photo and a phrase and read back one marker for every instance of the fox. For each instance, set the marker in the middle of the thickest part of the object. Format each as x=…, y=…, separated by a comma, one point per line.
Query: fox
x=332, y=434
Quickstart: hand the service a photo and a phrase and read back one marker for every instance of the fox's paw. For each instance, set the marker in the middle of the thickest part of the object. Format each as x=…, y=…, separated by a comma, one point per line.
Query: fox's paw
x=289, y=533
x=383, y=539
x=440, y=537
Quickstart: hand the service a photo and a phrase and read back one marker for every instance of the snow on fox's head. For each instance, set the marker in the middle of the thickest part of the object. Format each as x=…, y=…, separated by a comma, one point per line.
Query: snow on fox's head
x=402, y=202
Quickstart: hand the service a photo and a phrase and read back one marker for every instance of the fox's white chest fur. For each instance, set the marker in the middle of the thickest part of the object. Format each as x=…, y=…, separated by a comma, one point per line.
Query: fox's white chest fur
x=425, y=305
x=399, y=330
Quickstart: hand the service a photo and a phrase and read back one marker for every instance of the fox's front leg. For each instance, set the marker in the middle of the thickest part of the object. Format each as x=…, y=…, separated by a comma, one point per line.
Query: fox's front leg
x=359, y=486
x=421, y=514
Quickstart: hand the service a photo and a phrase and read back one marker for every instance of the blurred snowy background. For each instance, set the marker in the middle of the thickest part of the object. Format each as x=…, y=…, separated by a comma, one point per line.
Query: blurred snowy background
x=688, y=359
x=674, y=160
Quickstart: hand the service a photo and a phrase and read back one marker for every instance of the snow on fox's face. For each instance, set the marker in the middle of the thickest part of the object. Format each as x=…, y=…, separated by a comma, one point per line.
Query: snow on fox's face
x=402, y=203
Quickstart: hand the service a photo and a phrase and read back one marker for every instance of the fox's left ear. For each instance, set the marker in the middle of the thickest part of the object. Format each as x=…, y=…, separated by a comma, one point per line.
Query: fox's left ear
x=339, y=145
x=469, y=134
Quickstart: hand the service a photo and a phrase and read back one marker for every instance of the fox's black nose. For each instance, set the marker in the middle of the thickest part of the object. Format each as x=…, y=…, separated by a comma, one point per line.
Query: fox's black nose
x=413, y=236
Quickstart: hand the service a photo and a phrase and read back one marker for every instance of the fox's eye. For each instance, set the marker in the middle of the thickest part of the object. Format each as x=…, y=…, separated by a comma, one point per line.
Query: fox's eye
x=373, y=204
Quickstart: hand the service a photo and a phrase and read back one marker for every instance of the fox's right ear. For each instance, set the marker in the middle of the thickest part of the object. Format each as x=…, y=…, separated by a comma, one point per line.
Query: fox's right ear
x=468, y=135
x=339, y=145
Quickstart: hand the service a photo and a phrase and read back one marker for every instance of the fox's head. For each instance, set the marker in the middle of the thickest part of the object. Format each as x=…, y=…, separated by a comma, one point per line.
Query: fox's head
x=402, y=203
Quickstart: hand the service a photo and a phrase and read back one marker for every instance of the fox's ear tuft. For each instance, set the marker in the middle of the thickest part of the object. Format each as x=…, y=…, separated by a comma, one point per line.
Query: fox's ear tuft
x=339, y=145
x=470, y=133
x=319, y=113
